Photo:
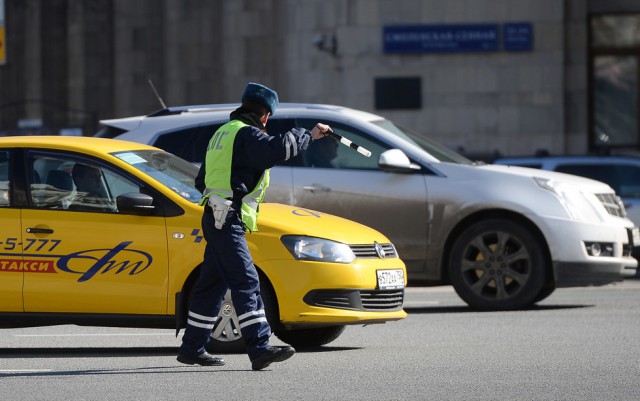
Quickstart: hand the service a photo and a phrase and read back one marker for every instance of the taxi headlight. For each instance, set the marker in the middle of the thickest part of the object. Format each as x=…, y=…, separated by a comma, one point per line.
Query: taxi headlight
x=579, y=205
x=318, y=249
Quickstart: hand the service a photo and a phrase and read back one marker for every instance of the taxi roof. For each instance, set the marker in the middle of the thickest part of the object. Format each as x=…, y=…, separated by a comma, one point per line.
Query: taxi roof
x=76, y=143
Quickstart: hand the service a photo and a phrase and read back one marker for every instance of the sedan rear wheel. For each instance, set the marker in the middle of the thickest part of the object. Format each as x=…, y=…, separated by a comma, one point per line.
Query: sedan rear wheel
x=497, y=264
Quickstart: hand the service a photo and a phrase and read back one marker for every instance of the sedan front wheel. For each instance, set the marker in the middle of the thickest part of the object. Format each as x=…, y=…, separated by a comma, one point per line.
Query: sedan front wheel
x=497, y=264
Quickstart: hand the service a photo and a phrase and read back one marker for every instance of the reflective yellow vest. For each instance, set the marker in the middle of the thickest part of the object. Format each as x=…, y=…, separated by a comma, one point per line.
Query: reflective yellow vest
x=218, y=173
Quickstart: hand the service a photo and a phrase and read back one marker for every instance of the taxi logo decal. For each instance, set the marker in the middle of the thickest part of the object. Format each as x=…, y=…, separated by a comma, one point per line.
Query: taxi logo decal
x=305, y=213
x=31, y=266
x=86, y=263
x=90, y=262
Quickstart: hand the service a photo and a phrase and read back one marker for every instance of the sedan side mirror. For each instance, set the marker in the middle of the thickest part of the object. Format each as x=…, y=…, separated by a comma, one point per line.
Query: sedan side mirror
x=135, y=203
x=395, y=161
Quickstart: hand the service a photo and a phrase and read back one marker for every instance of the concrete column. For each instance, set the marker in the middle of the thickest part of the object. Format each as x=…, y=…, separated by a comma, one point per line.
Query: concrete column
x=33, y=59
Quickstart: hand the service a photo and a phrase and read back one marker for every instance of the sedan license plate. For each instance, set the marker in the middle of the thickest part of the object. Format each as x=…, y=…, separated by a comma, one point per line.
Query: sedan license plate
x=390, y=279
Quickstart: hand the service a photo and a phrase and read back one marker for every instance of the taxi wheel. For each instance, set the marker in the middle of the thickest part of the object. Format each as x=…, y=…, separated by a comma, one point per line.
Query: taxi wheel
x=309, y=338
x=498, y=264
x=301, y=338
x=226, y=336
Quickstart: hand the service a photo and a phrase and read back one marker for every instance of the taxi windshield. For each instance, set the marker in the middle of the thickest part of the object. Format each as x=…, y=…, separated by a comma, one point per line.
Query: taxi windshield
x=175, y=173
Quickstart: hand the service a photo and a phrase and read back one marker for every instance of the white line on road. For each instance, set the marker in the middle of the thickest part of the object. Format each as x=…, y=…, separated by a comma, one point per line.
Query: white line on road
x=25, y=370
x=94, y=334
x=420, y=303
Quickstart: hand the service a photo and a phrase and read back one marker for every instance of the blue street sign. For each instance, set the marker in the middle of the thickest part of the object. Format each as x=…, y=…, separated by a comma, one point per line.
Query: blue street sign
x=440, y=38
x=517, y=37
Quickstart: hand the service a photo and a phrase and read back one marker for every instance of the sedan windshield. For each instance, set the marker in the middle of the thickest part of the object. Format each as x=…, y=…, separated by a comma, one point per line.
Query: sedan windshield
x=434, y=149
x=175, y=173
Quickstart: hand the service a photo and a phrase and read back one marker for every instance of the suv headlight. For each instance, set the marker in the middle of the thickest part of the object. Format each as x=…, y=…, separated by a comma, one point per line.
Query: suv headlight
x=579, y=206
x=318, y=249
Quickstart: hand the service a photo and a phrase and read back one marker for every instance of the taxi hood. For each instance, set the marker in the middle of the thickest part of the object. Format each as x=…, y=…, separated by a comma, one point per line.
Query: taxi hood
x=284, y=219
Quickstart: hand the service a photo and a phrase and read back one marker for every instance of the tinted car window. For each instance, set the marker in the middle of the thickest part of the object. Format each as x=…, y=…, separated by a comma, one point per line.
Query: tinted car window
x=629, y=179
x=600, y=172
x=66, y=182
x=277, y=126
x=4, y=178
x=189, y=144
x=342, y=156
x=625, y=180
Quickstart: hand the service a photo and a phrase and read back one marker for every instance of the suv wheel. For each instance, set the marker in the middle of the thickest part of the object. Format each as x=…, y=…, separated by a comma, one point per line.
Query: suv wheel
x=497, y=264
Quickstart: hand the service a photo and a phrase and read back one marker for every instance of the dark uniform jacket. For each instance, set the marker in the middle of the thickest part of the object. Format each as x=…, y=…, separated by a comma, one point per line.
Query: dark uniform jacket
x=254, y=152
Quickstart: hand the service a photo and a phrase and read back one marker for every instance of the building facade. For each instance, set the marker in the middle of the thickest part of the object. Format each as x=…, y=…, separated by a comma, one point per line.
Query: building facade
x=481, y=76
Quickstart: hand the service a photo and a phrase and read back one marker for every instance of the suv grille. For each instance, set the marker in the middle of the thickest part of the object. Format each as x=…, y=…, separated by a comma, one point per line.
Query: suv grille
x=612, y=203
x=365, y=300
x=369, y=251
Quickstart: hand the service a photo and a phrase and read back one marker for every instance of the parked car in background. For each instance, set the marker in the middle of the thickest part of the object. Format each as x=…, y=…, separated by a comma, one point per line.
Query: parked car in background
x=504, y=237
x=128, y=253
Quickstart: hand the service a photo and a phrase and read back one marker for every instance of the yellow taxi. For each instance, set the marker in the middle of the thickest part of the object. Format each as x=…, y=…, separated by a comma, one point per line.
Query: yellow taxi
x=126, y=251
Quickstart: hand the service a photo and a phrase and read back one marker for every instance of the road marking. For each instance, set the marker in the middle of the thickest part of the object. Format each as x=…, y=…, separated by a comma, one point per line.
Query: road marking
x=25, y=370
x=93, y=335
x=419, y=303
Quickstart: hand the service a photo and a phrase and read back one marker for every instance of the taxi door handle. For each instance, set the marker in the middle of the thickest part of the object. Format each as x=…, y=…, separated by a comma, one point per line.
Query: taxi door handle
x=33, y=230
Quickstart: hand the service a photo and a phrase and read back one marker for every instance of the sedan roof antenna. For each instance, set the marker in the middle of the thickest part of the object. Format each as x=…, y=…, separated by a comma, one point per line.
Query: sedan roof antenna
x=164, y=106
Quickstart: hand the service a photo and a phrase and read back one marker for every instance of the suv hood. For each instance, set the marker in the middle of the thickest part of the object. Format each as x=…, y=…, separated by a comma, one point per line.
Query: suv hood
x=587, y=183
x=283, y=219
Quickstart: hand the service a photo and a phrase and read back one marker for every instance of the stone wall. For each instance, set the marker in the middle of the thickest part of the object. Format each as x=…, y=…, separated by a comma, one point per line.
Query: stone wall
x=93, y=59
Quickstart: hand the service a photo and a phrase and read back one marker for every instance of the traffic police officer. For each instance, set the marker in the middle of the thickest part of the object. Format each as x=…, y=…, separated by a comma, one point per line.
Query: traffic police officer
x=233, y=179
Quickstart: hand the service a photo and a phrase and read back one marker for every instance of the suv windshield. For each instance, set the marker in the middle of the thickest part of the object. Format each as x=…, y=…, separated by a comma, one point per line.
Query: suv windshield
x=175, y=173
x=434, y=149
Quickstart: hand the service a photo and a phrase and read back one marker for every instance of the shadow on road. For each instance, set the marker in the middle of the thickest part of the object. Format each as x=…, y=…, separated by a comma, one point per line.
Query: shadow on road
x=21, y=353
x=125, y=352
x=86, y=352
x=467, y=309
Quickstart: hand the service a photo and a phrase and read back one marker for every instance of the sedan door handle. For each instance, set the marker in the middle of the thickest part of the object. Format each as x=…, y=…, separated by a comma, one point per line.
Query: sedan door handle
x=33, y=230
x=316, y=188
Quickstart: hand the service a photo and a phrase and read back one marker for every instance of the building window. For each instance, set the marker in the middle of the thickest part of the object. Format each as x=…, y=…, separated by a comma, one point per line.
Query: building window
x=614, y=81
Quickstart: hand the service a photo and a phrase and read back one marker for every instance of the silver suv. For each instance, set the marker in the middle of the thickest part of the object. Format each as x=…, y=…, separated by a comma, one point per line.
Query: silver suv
x=504, y=237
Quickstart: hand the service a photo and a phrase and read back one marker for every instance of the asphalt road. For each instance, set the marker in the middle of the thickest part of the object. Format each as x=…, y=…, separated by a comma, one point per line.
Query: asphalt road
x=578, y=344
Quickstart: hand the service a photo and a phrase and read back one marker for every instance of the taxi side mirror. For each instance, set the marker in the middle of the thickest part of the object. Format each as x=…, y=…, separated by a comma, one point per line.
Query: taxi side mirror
x=135, y=203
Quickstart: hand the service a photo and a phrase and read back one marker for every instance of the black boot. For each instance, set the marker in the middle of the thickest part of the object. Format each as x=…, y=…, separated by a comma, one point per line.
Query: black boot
x=270, y=355
x=204, y=359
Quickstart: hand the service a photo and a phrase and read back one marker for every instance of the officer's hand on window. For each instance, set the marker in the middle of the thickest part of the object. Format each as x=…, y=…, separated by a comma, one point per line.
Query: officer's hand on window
x=320, y=131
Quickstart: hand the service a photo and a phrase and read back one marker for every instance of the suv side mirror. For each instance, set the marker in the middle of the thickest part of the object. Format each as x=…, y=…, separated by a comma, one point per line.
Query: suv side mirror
x=395, y=161
x=135, y=203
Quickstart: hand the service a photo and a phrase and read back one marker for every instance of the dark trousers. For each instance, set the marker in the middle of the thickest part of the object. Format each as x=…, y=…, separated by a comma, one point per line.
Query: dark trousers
x=227, y=265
